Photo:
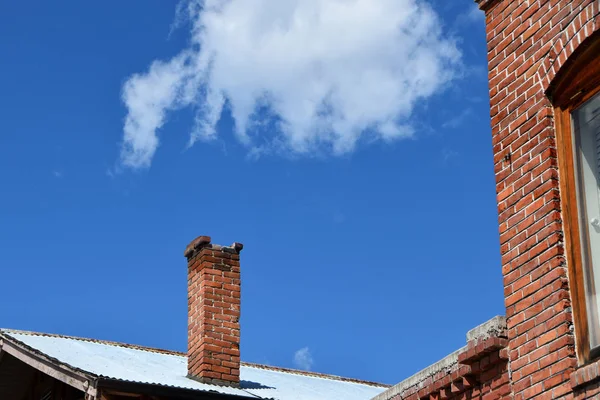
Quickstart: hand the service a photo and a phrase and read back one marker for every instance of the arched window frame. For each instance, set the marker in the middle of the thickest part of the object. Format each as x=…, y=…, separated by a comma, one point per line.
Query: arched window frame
x=577, y=82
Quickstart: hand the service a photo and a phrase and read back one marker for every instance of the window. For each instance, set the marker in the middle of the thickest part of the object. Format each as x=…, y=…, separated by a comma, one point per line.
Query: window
x=576, y=97
x=586, y=129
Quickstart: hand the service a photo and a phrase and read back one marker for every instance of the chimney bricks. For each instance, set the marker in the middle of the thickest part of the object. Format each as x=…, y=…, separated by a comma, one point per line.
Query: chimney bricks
x=213, y=312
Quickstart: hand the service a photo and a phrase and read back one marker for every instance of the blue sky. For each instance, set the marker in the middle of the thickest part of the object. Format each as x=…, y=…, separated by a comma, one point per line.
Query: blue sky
x=369, y=225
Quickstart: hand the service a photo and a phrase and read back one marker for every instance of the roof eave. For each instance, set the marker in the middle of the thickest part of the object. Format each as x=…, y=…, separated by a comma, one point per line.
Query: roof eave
x=80, y=380
x=117, y=385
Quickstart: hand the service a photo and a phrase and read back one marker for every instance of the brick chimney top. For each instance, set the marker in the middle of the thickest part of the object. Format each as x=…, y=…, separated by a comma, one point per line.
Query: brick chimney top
x=205, y=241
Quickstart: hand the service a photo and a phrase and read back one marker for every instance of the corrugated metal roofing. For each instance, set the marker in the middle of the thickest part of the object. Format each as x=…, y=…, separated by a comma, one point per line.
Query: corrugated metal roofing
x=159, y=367
x=291, y=386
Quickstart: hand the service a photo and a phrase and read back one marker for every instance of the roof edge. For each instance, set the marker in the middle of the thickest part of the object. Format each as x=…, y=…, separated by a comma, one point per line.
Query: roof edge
x=316, y=374
x=119, y=385
x=98, y=341
x=181, y=354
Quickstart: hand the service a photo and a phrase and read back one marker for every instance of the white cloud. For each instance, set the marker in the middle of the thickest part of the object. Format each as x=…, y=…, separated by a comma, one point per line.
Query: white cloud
x=148, y=98
x=303, y=359
x=324, y=73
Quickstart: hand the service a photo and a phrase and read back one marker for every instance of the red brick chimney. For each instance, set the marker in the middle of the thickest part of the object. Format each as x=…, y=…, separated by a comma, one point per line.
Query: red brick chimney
x=213, y=312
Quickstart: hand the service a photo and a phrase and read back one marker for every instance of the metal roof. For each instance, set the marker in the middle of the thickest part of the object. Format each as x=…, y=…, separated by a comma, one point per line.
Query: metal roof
x=165, y=368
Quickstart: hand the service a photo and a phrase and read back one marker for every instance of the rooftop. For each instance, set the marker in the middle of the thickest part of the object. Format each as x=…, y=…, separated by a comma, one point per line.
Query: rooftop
x=148, y=366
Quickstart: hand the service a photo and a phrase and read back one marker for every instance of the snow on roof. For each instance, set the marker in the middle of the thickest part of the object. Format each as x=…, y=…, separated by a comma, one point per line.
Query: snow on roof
x=166, y=368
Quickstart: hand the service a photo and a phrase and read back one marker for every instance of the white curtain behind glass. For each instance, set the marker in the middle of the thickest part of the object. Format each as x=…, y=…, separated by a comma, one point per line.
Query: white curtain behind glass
x=587, y=129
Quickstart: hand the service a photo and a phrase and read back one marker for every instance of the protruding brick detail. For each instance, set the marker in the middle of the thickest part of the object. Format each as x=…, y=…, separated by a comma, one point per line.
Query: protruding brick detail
x=478, y=349
x=584, y=376
x=213, y=312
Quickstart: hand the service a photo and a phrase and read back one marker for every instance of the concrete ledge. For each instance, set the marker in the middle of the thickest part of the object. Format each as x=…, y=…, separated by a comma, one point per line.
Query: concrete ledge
x=446, y=364
x=496, y=327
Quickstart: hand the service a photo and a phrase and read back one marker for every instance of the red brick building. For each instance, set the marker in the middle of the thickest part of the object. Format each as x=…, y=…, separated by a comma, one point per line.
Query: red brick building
x=544, y=81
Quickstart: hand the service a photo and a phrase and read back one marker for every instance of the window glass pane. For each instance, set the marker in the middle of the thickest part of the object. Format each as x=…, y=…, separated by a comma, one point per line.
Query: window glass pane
x=586, y=122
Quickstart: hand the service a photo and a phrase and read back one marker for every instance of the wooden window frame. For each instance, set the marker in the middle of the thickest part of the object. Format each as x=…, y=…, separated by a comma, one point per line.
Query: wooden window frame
x=577, y=82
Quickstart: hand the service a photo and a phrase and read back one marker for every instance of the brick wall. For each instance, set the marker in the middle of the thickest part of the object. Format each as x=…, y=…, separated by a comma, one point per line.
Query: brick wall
x=213, y=312
x=528, y=43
